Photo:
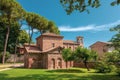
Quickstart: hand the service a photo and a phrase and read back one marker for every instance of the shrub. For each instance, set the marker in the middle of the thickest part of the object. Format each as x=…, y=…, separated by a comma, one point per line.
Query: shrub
x=6, y=56
x=103, y=67
x=118, y=71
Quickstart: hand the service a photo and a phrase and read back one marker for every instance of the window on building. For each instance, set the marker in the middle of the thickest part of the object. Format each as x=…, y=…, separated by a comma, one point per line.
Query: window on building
x=75, y=47
x=53, y=44
x=59, y=63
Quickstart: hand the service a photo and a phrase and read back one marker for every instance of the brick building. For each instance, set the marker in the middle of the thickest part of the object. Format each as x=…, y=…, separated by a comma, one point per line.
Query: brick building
x=101, y=48
x=46, y=53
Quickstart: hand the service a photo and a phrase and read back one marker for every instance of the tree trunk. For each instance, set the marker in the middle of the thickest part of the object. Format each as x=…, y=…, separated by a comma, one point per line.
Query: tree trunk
x=85, y=63
x=66, y=64
x=31, y=35
x=5, y=45
x=15, y=52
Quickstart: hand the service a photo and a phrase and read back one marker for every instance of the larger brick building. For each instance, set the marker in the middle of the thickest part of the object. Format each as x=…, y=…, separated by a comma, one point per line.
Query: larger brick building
x=101, y=48
x=46, y=53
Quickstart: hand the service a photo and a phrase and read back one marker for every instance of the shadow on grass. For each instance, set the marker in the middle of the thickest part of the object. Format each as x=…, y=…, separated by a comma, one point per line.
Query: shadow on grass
x=58, y=77
x=66, y=71
x=42, y=77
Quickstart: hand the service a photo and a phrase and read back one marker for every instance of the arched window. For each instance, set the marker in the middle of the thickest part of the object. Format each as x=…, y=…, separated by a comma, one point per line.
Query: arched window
x=53, y=63
x=59, y=62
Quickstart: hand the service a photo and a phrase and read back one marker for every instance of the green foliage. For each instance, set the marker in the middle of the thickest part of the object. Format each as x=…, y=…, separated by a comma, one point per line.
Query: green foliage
x=83, y=5
x=116, y=2
x=11, y=9
x=11, y=12
x=116, y=38
x=7, y=55
x=93, y=56
x=84, y=54
x=113, y=56
x=14, y=32
x=42, y=74
x=118, y=71
x=67, y=54
x=79, y=5
x=52, y=27
x=23, y=37
x=108, y=64
x=36, y=21
x=40, y=23
x=103, y=67
x=80, y=54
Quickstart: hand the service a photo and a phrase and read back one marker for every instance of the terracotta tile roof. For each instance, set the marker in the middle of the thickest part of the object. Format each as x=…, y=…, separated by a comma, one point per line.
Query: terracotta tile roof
x=106, y=43
x=20, y=46
x=32, y=49
x=31, y=44
x=80, y=37
x=70, y=42
x=50, y=34
x=51, y=49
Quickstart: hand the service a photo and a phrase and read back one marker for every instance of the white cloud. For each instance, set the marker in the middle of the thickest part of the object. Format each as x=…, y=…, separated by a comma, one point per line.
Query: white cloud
x=34, y=31
x=89, y=27
x=26, y=27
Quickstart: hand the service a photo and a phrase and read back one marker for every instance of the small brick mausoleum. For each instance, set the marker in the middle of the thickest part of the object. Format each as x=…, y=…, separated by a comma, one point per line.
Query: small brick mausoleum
x=47, y=52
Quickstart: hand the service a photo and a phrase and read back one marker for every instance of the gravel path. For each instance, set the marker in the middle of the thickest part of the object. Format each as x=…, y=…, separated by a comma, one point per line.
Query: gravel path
x=4, y=67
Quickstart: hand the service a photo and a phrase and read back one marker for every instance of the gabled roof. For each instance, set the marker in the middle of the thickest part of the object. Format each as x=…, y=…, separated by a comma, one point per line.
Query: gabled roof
x=70, y=42
x=50, y=34
x=52, y=49
x=31, y=44
x=34, y=49
x=107, y=42
x=101, y=42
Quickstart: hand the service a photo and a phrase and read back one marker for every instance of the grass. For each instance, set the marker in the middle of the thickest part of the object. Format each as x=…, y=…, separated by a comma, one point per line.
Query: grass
x=63, y=74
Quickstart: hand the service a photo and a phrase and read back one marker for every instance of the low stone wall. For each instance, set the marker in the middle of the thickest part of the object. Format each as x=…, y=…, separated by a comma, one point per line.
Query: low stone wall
x=81, y=64
x=18, y=59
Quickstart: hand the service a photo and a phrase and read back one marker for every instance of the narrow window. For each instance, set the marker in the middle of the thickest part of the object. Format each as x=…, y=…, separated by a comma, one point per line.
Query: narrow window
x=53, y=44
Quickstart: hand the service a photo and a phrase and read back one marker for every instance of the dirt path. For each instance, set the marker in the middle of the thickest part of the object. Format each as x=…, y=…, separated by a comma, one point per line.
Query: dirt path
x=4, y=67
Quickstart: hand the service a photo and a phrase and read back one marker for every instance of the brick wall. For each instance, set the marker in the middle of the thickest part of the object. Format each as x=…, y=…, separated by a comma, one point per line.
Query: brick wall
x=55, y=61
x=49, y=41
x=100, y=48
x=81, y=64
x=40, y=43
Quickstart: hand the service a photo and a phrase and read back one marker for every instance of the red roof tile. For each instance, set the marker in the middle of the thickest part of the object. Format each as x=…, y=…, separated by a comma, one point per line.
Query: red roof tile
x=70, y=42
x=32, y=49
x=107, y=43
x=50, y=34
x=31, y=44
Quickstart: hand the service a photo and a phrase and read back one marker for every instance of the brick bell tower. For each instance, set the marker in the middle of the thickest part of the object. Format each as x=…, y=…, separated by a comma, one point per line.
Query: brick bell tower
x=80, y=40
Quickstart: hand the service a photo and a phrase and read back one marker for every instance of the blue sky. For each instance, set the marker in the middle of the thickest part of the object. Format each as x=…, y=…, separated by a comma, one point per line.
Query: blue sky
x=93, y=27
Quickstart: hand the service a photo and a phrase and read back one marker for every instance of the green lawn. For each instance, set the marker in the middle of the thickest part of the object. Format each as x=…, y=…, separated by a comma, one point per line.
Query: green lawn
x=70, y=74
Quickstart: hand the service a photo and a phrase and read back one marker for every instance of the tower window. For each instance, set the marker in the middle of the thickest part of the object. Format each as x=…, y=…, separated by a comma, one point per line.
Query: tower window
x=53, y=44
x=70, y=47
